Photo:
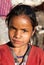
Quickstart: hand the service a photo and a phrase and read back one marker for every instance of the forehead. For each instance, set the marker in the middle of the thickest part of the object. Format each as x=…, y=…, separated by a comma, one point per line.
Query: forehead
x=21, y=21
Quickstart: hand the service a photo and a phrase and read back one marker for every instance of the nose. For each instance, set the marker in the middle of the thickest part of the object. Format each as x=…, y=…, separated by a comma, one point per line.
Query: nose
x=18, y=34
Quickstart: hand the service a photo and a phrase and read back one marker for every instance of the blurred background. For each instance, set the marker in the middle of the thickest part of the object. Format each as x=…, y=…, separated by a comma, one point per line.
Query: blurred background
x=38, y=6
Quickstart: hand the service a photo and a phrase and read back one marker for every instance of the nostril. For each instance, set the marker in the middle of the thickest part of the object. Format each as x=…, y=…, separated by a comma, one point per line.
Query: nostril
x=17, y=34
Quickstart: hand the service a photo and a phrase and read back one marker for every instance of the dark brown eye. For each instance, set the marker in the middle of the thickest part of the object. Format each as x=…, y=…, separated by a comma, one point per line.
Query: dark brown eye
x=11, y=27
x=24, y=30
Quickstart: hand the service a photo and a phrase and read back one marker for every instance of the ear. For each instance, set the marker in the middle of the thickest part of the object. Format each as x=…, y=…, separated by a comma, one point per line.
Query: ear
x=33, y=32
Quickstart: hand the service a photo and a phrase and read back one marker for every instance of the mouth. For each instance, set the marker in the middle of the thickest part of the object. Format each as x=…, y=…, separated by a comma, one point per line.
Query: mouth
x=16, y=41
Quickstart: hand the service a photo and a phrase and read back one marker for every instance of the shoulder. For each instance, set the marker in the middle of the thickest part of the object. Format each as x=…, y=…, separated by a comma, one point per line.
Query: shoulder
x=37, y=51
x=4, y=48
x=6, y=55
x=36, y=56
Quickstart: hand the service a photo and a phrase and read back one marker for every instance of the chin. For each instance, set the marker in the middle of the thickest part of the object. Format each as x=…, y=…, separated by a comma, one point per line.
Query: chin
x=17, y=45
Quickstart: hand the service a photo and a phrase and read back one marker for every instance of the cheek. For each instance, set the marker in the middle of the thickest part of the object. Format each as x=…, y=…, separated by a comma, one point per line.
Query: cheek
x=11, y=34
x=26, y=37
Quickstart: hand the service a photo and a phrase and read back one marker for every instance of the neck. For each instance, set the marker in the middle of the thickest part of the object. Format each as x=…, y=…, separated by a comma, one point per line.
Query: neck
x=20, y=50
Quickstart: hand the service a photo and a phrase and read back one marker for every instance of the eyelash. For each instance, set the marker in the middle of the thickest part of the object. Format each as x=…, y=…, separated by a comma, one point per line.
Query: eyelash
x=25, y=31
x=16, y=29
x=12, y=28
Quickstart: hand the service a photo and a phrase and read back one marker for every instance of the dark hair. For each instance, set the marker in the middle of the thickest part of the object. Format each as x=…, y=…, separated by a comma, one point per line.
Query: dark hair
x=22, y=9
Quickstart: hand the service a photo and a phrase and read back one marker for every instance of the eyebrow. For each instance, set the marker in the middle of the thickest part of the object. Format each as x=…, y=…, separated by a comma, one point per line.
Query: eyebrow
x=25, y=30
x=16, y=28
x=13, y=27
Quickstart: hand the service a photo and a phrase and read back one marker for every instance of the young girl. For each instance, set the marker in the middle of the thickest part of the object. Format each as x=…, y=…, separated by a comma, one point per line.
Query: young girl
x=21, y=23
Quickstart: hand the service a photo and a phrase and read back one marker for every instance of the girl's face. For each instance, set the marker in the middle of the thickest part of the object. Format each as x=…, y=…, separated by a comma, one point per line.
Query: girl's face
x=20, y=30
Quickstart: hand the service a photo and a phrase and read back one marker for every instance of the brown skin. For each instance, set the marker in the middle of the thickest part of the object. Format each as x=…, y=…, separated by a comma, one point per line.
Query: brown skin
x=20, y=32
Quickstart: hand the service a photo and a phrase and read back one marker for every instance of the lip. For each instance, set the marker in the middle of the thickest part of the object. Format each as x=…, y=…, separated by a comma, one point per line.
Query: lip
x=17, y=41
